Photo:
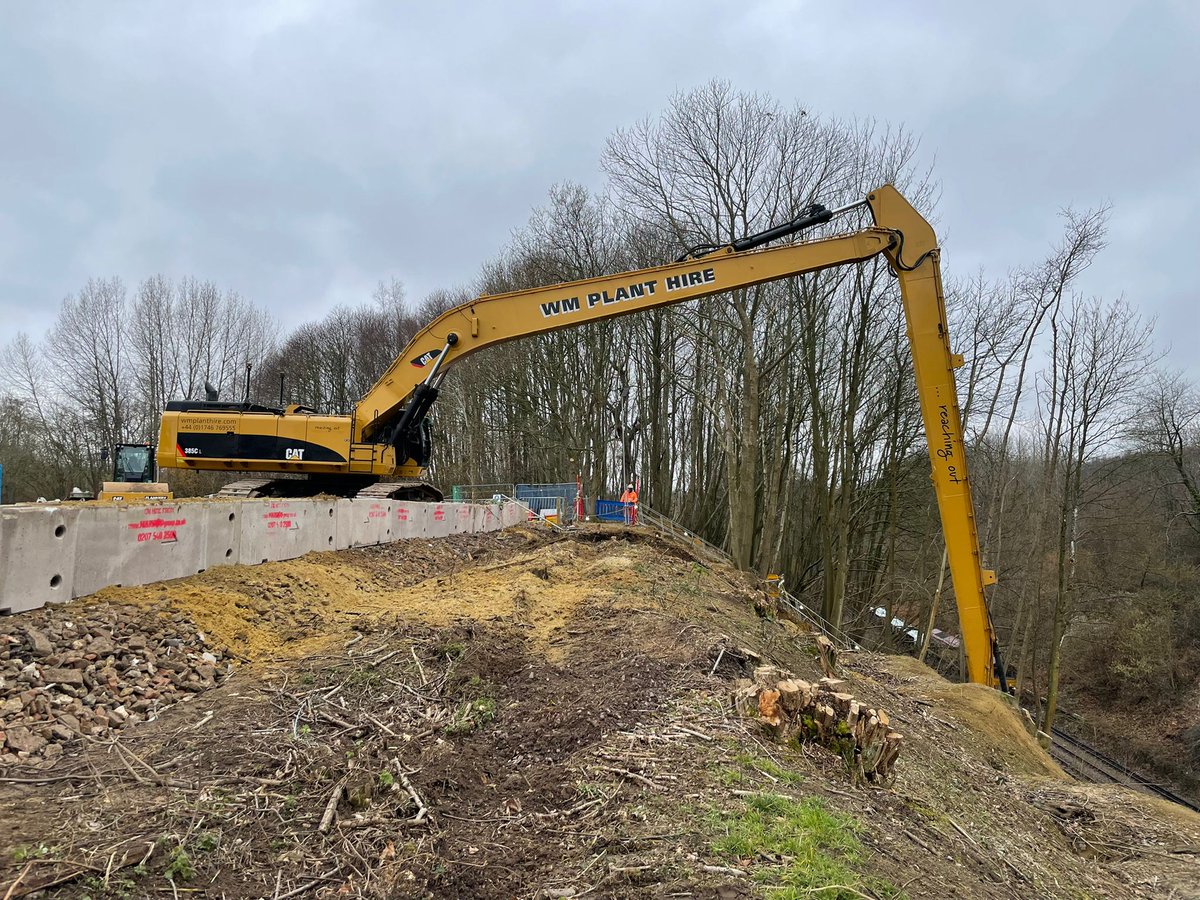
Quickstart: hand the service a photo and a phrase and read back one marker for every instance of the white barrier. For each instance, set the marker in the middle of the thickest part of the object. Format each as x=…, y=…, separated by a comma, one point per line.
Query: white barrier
x=285, y=529
x=137, y=544
x=53, y=553
x=364, y=523
x=37, y=554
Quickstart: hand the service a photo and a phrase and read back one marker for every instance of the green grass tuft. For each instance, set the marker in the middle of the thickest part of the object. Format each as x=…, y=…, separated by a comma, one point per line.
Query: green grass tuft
x=815, y=848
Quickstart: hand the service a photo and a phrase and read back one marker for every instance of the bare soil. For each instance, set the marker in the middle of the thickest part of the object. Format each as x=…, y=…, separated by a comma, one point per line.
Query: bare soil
x=525, y=715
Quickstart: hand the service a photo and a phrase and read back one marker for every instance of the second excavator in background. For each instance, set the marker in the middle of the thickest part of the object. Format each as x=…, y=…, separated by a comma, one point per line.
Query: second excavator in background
x=133, y=478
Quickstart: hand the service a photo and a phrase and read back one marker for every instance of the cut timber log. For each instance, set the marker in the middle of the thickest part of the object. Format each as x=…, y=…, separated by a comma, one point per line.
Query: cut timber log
x=824, y=713
x=828, y=655
x=768, y=708
x=745, y=698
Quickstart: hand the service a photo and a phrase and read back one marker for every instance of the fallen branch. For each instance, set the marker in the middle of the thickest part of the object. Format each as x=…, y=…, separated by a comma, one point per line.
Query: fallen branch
x=331, y=807
x=21, y=887
x=305, y=888
x=207, y=716
x=720, y=656
x=699, y=734
x=380, y=822
x=420, y=668
x=723, y=870
x=840, y=887
x=11, y=892
x=412, y=792
x=632, y=776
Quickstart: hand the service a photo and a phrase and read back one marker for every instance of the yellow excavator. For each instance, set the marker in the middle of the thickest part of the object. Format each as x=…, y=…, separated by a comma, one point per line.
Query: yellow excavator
x=382, y=448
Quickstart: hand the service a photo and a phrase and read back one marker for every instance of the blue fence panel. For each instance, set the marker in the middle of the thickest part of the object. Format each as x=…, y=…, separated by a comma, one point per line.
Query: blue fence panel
x=610, y=510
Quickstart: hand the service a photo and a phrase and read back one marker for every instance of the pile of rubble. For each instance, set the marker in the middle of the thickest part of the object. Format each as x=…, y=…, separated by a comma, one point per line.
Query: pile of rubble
x=794, y=709
x=69, y=673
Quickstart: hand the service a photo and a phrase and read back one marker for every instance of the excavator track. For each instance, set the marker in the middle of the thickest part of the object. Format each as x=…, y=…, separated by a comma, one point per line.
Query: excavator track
x=253, y=488
x=417, y=491
x=247, y=489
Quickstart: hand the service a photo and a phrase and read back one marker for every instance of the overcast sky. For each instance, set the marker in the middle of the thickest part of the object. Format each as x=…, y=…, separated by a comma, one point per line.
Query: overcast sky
x=300, y=152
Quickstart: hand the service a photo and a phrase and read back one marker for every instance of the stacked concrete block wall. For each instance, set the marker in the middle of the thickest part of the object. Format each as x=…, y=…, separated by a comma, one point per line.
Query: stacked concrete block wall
x=53, y=553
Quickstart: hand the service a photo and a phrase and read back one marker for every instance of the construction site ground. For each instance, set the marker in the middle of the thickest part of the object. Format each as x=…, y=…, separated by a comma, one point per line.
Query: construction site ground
x=528, y=714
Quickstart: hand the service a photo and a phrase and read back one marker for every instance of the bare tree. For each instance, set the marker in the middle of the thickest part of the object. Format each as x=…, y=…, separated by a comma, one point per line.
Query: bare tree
x=1101, y=356
x=1169, y=429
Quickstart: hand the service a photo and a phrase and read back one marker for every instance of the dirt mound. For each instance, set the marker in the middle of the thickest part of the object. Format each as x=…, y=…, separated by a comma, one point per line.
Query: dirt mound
x=996, y=727
x=531, y=716
x=285, y=610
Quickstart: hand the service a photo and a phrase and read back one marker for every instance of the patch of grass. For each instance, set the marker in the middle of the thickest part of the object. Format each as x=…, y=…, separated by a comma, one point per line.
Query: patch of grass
x=114, y=886
x=475, y=687
x=25, y=854
x=692, y=584
x=207, y=841
x=768, y=767
x=817, y=847
x=452, y=649
x=730, y=777
x=926, y=811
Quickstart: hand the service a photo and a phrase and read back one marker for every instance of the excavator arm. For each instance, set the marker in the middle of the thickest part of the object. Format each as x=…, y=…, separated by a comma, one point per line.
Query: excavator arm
x=914, y=257
x=388, y=437
x=496, y=318
x=402, y=396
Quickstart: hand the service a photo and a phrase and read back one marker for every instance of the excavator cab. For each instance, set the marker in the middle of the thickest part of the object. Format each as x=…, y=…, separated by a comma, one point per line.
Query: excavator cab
x=133, y=463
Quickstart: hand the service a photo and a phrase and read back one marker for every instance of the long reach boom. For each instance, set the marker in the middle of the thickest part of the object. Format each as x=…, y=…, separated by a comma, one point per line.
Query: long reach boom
x=382, y=449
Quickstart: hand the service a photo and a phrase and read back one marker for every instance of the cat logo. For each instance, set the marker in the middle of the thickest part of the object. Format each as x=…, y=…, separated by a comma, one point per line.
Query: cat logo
x=421, y=361
x=294, y=453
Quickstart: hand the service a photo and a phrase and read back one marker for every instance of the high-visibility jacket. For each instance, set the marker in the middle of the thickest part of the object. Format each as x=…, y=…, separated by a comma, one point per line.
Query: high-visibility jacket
x=630, y=496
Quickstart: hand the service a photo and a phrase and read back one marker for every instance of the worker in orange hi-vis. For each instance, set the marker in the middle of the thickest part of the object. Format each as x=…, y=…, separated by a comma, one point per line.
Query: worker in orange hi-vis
x=630, y=499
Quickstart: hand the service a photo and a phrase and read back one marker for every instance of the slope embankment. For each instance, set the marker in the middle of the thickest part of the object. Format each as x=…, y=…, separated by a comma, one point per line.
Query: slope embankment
x=528, y=715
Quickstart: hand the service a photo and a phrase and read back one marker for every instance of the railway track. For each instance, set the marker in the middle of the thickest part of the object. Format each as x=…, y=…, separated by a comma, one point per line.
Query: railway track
x=1086, y=763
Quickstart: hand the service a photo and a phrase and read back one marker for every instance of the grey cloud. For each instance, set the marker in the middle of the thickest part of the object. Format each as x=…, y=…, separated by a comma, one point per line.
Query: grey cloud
x=298, y=152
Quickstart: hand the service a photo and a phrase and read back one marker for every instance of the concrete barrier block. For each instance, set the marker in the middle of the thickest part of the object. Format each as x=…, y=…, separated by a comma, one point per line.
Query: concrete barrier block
x=513, y=513
x=491, y=516
x=37, y=552
x=344, y=516
x=97, y=546
x=366, y=522
x=440, y=521
x=53, y=553
x=284, y=529
x=223, y=533
x=408, y=519
x=461, y=517
x=127, y=544
x=486, y=516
